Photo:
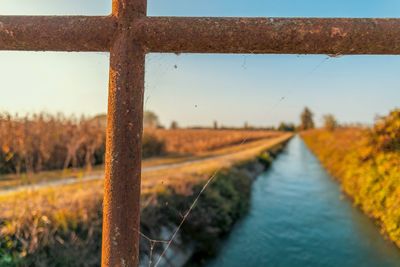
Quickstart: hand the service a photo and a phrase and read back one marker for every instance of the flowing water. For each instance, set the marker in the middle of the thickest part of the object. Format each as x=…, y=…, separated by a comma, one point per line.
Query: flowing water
x=298, y=217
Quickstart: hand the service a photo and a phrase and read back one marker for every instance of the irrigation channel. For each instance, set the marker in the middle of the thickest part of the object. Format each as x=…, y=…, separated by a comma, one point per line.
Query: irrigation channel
x=298, y=217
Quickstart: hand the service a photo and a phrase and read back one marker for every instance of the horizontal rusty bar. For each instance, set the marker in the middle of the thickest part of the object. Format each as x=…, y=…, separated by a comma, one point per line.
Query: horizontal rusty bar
x=56, y=33
x=335, y=36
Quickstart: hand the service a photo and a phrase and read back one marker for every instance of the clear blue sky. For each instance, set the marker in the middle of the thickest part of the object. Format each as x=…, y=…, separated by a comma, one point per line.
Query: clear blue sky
x=198, y=89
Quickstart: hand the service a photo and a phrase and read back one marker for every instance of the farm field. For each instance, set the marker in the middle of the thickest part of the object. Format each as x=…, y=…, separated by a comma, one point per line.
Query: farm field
x=198, y=141
x=177, y=146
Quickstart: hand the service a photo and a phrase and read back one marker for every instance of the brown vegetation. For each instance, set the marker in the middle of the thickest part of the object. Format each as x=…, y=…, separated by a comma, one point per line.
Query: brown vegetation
x=44, y=142
x=39, y=142
x=367, y=164
x=197, y=141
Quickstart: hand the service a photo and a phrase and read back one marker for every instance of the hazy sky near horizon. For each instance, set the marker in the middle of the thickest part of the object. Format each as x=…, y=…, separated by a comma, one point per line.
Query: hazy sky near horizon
x=198, y=89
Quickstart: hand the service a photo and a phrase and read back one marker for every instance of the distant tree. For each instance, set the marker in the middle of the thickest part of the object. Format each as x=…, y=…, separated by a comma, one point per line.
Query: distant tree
x=215, y=125
x=150, y=120
x=286, y=127
x=174, y=125
x=246, y=125
x=330, y=123
x=306, y=119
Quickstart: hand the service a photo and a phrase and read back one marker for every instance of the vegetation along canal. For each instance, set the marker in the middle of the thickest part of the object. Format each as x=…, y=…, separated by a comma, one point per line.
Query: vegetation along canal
x=298, y=217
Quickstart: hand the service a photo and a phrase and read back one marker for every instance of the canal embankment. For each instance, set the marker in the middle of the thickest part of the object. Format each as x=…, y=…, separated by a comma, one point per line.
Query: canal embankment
x=299, y=217
x=217, y=208
x=369, y=176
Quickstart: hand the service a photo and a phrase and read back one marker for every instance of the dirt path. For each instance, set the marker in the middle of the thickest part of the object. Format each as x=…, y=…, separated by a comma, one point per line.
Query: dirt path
x=74, y=180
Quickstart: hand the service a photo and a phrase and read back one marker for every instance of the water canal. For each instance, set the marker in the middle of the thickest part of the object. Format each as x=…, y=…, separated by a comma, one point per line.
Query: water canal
x=298, y=217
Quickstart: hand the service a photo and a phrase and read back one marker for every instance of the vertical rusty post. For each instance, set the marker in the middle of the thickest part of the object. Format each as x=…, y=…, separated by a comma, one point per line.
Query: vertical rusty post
x=121, y=219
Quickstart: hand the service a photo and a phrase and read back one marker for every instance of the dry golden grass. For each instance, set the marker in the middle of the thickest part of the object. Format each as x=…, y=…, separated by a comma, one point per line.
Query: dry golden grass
x=197, y=141
x=175, y=175
x=70, y=197
x=182, y=145
x=183, y=174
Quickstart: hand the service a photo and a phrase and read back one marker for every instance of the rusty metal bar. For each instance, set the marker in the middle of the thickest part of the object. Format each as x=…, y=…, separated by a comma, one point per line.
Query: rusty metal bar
x=270, y=35
x=56, y=33
x=205, y=35
x=121, y=220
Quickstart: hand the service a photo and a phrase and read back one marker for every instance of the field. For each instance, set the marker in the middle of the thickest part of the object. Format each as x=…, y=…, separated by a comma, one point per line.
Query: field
x=366, y=162
x=75, y=158
x=58, y=225
x=197, y=141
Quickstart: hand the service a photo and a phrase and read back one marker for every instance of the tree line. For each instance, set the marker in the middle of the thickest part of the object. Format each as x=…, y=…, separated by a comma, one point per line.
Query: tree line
x=307, y=122
x=151, y=120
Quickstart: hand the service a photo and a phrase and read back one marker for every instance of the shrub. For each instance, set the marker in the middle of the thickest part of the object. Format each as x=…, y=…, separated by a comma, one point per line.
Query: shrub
x=286, y=127
x=385, y=136
x=152, y=146
x=367, y=164
x=265, y=158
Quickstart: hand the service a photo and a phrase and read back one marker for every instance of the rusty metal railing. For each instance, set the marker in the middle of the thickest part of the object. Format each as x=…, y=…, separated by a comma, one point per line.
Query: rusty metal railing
x=128, y=34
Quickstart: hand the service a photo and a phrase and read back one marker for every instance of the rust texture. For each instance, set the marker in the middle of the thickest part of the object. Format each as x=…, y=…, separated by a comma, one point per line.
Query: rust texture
x=202, y=35
x=56, y=33
x=121, y=220
x=270, y=35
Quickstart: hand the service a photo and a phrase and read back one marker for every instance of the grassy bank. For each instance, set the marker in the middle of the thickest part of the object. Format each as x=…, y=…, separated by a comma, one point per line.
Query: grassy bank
x=225, y=200
x=218, y=208
x=61, y=226
x=368, y=174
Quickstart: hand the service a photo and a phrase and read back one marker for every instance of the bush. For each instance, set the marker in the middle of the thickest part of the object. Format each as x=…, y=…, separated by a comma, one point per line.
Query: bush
x=265, y=158
x=286, y=127
x=152, y=146
x=385, y=136
x=368, y=174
